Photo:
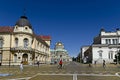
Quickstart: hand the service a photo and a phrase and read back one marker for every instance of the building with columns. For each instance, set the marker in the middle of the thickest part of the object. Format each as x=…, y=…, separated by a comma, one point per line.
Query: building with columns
x=59, y=52
x=20, y=43
x=105, y=47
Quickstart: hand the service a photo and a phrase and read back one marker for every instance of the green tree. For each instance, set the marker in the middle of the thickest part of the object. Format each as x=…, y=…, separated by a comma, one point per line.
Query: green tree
x=117, y=58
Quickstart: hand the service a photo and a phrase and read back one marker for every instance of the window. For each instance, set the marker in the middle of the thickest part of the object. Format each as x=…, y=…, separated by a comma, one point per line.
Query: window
x=108, y=41
x=110, y=55
x=16, y=42
x=1, y=43
x=100, y=53
x=15, y=57
x=16, y=27
x=18, y=57
x=114, y=41
x=25, y=42
x=26, y=28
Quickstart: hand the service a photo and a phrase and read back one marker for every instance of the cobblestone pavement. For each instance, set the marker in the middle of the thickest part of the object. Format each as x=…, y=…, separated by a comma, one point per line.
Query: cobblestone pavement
x=71, y=71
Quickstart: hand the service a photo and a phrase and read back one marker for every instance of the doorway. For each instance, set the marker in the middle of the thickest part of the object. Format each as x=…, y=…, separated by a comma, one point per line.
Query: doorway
x=25, y=59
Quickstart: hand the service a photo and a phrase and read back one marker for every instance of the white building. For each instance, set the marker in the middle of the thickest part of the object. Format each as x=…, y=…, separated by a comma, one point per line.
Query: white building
x=105, y=46
x=83, y=49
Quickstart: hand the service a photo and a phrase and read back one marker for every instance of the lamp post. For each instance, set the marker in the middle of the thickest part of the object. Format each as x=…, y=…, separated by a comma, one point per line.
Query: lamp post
x=117, y=57
x=117, y=45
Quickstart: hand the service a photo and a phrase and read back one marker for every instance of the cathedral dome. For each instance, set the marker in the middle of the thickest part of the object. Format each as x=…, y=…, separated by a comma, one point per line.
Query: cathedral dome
x=23, y=21
x=59, y=45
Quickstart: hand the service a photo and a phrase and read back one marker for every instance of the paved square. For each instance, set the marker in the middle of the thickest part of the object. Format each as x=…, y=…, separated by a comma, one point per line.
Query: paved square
x=50, y=72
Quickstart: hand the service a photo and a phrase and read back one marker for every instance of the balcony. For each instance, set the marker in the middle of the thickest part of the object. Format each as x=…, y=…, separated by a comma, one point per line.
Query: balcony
x=16, y=49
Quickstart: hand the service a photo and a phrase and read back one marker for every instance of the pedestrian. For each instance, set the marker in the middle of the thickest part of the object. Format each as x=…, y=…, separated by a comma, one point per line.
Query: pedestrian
x=21, y=66
x=89, y=63
x=38, y=63
x=95, y=63
x=104, y=65
x=60, y=64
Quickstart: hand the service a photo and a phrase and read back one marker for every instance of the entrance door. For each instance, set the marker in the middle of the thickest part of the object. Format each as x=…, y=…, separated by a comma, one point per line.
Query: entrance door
x=25, y=59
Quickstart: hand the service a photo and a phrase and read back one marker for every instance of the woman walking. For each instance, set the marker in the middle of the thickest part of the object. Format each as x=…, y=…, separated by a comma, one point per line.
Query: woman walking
x=21, y=66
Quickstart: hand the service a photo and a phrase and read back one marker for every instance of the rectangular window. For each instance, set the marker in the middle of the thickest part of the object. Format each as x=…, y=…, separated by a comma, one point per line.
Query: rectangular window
x=16, y=43
x=1, y=43
x=100, y=55
x=114, y=41
x=110, y=55
x=25, y=43
x=108, y=41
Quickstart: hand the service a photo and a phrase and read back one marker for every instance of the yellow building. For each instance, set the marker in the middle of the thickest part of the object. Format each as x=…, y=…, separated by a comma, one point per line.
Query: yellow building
x=20, y=43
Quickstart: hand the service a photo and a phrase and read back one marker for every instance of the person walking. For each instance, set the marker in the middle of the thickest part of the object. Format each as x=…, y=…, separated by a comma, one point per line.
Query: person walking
x=21, y=66
x=90, y=63
x=38, y=63
x=104, y=65
x=60, y=64
x=95, y=63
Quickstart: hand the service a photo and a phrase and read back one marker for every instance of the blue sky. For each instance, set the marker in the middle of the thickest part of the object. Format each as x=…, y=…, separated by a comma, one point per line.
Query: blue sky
x=73, y=22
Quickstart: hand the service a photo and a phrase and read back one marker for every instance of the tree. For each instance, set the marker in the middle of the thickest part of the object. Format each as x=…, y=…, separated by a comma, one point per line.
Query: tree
x=117, y=58
x=74, y=59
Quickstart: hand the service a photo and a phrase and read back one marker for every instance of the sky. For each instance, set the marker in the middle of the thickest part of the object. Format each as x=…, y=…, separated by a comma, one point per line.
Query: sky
x=73, y=22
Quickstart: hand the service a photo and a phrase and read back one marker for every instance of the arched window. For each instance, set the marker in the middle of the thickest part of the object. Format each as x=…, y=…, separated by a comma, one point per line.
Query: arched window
x=1, y=42
x=25, y=42
x=16, y=42
x=15, y=57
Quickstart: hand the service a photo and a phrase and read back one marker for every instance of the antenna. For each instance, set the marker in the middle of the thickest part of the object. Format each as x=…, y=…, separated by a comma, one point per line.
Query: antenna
x=24, y=12
x=24, y=7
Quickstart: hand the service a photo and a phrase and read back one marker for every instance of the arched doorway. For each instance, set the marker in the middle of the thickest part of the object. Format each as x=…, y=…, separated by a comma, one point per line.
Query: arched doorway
x=25, y=58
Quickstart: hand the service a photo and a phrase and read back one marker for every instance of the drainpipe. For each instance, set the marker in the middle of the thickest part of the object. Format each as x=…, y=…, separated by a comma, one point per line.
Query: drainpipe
x=10, y=50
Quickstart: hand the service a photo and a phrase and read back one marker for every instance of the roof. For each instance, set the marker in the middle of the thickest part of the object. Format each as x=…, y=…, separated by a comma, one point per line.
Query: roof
x=6, y=29
x=59, y=44
x=46, y=38
x=23, y=21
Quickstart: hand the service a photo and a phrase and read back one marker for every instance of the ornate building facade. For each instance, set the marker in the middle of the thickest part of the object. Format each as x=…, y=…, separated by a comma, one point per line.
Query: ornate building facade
x=105, y=47
x=59, y=52
x=20, y=43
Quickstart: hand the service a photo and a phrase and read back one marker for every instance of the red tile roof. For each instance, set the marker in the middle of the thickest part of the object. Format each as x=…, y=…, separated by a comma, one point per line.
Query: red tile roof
x=6, y=29
x=45, y=37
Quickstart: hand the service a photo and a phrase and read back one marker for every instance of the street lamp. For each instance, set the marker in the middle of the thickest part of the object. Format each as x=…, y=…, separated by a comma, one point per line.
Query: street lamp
x=117, y=45
x=117, y=58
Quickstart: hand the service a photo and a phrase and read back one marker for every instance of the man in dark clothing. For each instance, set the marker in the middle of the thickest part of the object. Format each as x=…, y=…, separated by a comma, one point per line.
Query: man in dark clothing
x=38, y=63
x=104, y=65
